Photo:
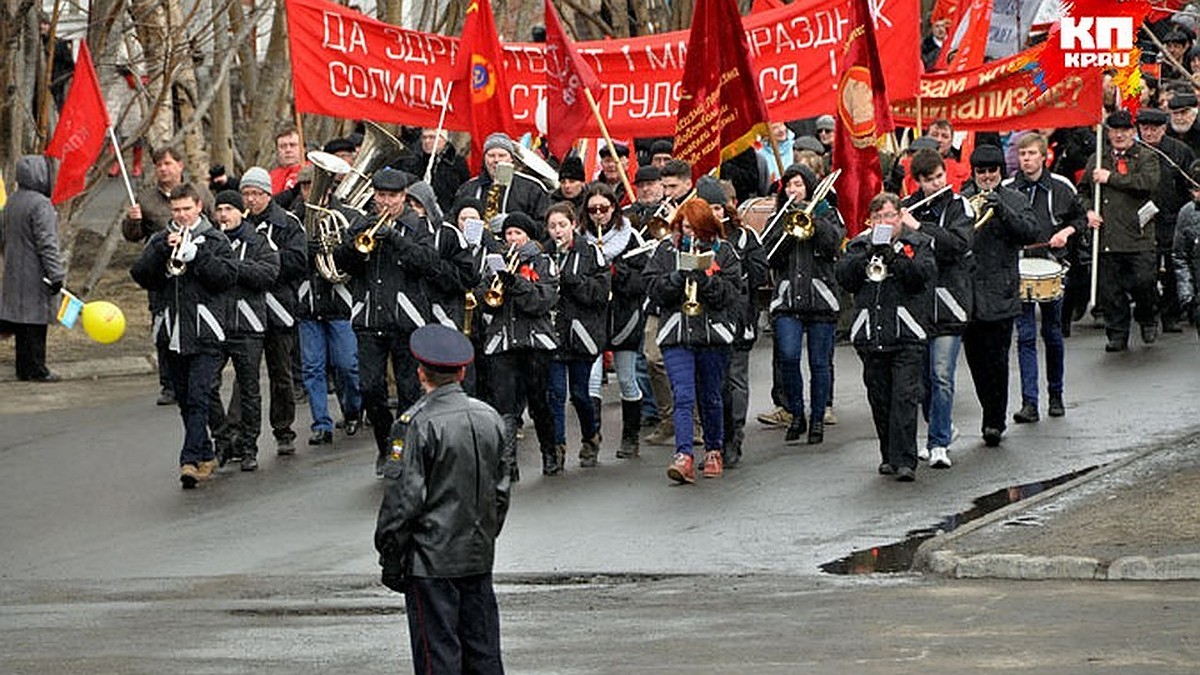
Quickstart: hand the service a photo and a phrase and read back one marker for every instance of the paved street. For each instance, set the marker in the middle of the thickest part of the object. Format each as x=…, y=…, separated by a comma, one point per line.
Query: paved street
x=274, y=572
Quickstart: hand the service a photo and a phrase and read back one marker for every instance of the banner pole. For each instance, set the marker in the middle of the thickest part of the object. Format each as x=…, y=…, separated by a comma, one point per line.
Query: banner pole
x=112, y=135
x=1095, y=276
x=438, y=134
x=778, y=156
x=611, y=146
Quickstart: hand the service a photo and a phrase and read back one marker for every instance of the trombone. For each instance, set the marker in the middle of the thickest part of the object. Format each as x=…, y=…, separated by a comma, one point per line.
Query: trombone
x=799, y=222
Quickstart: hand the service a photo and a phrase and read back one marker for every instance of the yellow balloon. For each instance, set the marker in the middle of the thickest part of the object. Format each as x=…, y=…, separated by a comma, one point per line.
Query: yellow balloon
x=103, y=321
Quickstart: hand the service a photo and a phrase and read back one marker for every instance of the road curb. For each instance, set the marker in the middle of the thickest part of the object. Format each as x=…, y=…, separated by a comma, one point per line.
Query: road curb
x=92, y=369
x=937, y=556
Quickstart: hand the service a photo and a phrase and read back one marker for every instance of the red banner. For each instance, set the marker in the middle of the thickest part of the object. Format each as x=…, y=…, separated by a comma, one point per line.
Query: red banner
x=481, y=80
x=345, y=64
x=79, y=136
x=721, y=111
x=999, y=96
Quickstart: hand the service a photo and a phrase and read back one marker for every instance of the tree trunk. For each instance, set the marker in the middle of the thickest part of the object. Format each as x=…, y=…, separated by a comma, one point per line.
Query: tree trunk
x=15, y=18
x=150, y=18
x=271, y=100
x=221, y=114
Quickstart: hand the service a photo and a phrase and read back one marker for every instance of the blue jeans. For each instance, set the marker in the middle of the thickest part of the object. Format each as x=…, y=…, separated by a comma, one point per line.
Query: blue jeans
x=697, y=372
x=789, y=341
x=642, y=371
x=624, y=362
x=578, y=372
x=329, y=342
x=1052, y=337
x=192, y=376
x=941, y=362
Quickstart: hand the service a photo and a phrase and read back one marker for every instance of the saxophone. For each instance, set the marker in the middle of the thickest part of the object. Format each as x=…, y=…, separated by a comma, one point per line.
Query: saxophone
x=491, y=201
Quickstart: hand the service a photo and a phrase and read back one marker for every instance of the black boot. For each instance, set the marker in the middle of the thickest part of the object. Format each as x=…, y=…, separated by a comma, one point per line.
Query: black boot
x=597, y=405
x=816, y=431
x=589, y=452
x=631, y=420
x=552, y=460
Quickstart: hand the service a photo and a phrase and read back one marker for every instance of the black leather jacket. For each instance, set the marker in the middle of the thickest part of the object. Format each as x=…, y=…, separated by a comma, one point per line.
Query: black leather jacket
x=447, y=488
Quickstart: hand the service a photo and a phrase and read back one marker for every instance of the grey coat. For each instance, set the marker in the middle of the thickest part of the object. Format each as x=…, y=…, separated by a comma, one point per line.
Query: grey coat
x=29, y=239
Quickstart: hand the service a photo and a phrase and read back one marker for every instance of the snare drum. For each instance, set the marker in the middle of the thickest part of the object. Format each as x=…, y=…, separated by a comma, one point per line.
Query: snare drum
x=755, y=213
x=1041, y=280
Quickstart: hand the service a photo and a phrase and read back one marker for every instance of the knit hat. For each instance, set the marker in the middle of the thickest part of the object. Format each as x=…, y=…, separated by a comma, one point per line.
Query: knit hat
x=572, y=167
x=257, y=177
x=232, y=198
x=825, y=122
x=986, y=156
x=522, y=221
x=709, y=189
x=498, y=140
x=305, y=175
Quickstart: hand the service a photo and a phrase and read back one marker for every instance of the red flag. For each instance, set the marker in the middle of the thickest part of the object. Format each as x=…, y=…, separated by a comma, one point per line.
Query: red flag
x=968, y=39
x=480, y=87
x=79, y=136
x=863, y=114
x=721, y=109
x=567, y=76
x=765, y=5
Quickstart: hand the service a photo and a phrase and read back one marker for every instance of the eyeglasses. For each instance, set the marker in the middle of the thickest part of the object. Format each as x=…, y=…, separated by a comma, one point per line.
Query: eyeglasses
x=599, y=208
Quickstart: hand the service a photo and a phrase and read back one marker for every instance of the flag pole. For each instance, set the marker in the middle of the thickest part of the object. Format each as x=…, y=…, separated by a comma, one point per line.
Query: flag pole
x=775, y=151
x=112, y=135
x=437, y=134
x=611, y=146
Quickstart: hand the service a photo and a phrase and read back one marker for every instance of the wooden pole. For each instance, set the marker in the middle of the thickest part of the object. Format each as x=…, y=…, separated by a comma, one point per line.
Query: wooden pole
x=611, y=146
x=438, y=134
x=778, y=156
x=1096, y=207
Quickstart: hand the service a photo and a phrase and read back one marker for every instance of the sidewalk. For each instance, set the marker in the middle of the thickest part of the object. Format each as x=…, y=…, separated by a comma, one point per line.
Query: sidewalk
x=1135, y=519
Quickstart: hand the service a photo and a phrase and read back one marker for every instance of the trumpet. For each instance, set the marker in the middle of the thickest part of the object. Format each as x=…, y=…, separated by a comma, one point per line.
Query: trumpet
x=691, y=292
x=877, y=270
x=494, y=296
x=175, y=264
x=978, y=201
x=368, y=239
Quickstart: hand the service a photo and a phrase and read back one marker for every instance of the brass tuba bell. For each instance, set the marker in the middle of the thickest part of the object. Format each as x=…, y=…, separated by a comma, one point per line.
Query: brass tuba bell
x=378, y=148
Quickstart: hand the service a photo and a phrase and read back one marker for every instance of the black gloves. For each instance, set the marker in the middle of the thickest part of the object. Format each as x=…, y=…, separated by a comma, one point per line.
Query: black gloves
x=569, y=280
x=55, y=287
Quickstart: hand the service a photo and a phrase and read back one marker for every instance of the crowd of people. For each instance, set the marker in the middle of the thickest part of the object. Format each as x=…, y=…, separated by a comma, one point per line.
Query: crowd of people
x=560, y=281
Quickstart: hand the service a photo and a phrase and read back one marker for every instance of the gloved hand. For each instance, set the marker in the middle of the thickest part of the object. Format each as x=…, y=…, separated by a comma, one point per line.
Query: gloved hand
x=886, y=253
x=529, y=250
x=394, y=579
x=675, y=279
x=568, y=280
x=55, y=287
x=187, y=251
x=507, y=278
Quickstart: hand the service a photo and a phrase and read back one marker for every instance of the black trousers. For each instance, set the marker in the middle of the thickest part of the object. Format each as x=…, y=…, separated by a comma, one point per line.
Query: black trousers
x=894, y=391
x=1169, y=303
x=30, y=349
x=517, y=378
x=1125, y=278
x=986, y=344
x=279, y=346
x=375, y=349
x=236, y=434
x=454, y=625
x=192, y=376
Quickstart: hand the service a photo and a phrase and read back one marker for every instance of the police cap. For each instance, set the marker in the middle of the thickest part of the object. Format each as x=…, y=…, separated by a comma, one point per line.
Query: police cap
x=440, y=348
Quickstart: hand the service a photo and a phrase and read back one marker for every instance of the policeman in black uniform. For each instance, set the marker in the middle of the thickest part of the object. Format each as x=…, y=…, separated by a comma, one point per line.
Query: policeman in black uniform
x=446, y=496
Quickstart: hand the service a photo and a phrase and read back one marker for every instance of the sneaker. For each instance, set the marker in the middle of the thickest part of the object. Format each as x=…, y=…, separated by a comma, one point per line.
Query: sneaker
x=816, y=432
x=1056, y=406
x=830, y=418
x=795, y=430
x=1028, y=413
x=906, y=474
x=319, y=437
x=1116, y=345
x=923, y=454
x=992, y=436
x=166, y=397
x=713, y=464
x=939, y=458
x=682, y=469
x=249, y=463
x=779, y=417
x=886, y=469
x=285, y=446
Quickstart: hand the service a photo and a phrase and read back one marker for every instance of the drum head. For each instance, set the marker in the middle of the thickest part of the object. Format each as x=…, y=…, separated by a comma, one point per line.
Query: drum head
x=1039, y=267
x=756, y=213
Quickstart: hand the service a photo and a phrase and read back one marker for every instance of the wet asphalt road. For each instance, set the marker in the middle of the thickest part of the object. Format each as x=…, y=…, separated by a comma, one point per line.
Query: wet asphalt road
x=273, y=572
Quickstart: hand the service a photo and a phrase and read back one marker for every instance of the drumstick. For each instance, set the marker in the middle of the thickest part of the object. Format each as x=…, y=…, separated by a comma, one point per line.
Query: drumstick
x=1040, y=244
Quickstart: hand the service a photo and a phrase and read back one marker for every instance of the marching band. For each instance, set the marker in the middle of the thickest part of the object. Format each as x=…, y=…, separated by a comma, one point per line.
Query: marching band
x=558, y=281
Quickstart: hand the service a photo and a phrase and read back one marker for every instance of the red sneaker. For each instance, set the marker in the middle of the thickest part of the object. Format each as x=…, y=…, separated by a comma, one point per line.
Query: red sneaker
x=682, y=469
x=713, y=464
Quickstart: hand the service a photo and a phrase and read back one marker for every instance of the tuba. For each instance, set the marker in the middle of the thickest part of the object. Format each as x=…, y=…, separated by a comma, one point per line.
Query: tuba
x=533, y=166
x=323, y=225
x=378, y=148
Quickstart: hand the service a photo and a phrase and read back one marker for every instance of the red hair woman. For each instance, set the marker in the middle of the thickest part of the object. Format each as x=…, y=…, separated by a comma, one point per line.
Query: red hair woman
x=696, y=277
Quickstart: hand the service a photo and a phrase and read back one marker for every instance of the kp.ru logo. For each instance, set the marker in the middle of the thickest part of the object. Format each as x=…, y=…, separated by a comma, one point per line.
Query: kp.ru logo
x=1096, y=41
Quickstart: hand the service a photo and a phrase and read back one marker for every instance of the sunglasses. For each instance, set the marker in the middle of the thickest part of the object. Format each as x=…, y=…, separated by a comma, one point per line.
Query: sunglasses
x=987, y=169
x=599, y=208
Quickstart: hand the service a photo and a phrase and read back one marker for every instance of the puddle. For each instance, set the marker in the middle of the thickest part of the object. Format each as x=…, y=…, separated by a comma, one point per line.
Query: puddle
x=898, y=557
